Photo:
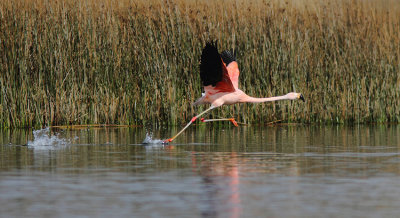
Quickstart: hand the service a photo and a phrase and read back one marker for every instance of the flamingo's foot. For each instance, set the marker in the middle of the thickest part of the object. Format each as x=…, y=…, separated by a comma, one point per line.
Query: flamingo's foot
x=167, y=141
x=222, y=119
x=233, y=121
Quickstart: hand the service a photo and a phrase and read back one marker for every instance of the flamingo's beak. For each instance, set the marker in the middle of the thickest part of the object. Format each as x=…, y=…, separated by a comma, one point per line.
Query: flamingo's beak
x=302, y=98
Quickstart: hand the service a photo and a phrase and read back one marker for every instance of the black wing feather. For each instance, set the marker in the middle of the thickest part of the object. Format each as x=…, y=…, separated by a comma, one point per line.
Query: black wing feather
x=210, y=65
x=228, y=56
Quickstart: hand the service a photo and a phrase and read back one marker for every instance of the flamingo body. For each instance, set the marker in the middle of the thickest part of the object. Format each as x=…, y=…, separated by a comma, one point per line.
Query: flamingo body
x=220, y=76
x=217, y=98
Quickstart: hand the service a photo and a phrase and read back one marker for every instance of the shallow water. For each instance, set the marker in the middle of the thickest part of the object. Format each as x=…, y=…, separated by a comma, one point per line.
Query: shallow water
x=280, y=171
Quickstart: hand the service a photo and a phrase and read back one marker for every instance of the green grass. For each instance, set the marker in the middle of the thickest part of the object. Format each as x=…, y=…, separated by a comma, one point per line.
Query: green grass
x=136, y=62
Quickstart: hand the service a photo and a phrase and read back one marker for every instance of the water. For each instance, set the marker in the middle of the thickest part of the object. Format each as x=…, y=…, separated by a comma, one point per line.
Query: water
x=281, y=171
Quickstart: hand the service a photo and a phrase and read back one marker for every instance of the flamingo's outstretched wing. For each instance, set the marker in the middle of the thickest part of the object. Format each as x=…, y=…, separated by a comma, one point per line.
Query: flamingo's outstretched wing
x=232, y=66
x=213, y=71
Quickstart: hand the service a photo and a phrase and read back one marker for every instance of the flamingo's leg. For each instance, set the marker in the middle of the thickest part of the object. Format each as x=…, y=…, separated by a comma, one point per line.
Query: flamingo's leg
x=191, y=121
x=222, y=119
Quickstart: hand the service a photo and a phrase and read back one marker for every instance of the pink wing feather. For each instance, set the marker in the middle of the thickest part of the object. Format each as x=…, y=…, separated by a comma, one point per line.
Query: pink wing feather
x=229, y=60
x=233, y=71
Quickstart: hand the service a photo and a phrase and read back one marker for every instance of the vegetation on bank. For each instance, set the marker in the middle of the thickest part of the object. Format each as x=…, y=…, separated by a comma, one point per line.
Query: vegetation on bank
x=136, y=62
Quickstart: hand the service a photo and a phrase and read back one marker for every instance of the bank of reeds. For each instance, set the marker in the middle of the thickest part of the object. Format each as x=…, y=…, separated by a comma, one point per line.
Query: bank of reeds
x=136, y=62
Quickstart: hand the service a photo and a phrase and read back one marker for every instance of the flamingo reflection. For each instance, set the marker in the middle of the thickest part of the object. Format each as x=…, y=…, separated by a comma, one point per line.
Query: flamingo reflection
x=216, y=173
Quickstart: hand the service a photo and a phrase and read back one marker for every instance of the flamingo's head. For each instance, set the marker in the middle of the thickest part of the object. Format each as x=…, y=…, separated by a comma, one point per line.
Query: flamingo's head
x=295, y=96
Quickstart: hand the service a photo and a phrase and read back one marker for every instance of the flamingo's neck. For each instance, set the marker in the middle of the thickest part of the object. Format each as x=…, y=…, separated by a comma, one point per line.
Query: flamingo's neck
x=260, y=100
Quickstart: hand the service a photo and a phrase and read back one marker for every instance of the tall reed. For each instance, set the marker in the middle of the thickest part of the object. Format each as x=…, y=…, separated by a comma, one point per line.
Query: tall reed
x=136, y=62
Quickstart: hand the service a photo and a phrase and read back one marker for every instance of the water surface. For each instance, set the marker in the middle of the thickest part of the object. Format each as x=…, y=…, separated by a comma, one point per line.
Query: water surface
x=248, y=171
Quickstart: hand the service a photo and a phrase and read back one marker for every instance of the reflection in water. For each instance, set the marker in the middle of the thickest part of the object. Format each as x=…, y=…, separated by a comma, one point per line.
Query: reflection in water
x=281, y=171
x=220, y=177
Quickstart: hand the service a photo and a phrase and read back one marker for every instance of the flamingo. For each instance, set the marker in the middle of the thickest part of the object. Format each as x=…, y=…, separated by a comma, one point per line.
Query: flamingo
x=219, y=74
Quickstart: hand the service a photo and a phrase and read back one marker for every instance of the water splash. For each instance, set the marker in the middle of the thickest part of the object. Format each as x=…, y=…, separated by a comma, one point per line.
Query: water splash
x=44, y=140
x=149, y=139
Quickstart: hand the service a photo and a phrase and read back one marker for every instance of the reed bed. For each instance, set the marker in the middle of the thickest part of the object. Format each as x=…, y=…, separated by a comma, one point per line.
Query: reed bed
x=136, y=62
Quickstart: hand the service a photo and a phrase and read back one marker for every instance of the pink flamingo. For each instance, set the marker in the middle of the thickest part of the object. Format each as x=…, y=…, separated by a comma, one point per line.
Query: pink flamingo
x=219, y=74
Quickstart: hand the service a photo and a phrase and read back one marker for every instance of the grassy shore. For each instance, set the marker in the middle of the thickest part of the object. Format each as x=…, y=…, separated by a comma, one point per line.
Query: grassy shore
x=136, y=62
